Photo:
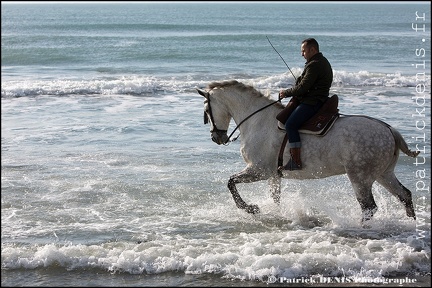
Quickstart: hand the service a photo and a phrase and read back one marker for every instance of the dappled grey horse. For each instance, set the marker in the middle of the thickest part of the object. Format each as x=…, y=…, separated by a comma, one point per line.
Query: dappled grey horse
x=364, y=148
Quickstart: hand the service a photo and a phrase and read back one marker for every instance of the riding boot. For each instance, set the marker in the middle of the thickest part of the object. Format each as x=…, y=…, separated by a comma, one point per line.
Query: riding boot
x=294, y=162
x=295, y=155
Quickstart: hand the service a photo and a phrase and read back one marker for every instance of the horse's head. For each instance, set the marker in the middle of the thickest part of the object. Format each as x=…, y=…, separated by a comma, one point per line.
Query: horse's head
x=215, y=112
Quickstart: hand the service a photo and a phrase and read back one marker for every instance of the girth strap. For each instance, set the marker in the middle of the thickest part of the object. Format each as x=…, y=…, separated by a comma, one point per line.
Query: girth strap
x=281, y=152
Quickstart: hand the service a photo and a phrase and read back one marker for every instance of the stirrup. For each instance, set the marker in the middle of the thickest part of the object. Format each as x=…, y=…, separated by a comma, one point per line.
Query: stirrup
x=291, y=165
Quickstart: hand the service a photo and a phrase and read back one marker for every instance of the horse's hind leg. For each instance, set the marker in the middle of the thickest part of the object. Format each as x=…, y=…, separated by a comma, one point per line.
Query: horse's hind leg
x=363, y=190
x=392, y=184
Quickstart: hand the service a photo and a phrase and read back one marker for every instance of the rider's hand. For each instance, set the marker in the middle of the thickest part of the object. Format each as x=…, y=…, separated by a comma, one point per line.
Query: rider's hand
x=282, y=94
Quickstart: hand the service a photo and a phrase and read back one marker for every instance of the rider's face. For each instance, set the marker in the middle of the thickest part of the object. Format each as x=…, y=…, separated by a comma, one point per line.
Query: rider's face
x=307, y=52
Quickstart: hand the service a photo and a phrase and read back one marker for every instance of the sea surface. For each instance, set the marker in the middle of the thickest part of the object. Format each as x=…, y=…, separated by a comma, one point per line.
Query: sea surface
x=109, y=176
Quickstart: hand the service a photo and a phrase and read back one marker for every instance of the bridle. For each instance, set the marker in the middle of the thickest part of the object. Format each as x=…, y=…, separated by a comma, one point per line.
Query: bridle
x=209, y=113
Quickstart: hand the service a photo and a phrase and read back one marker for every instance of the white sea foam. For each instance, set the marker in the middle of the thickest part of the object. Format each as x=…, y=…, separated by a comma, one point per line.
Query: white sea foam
x=148, y=86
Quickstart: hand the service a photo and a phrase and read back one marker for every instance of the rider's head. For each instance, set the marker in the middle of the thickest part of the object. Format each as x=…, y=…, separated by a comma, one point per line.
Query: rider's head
x=309, y=48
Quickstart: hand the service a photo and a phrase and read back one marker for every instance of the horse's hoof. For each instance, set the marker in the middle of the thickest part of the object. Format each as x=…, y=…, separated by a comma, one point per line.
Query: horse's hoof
x=253, y=209
x=276, y=199
x=367, y=215
x=410, y=212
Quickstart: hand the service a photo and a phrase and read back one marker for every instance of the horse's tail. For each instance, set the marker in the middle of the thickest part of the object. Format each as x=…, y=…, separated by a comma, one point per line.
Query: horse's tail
x=401, y=144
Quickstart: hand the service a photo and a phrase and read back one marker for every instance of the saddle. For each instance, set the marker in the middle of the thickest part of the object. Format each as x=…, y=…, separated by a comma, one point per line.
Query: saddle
x=320, y=123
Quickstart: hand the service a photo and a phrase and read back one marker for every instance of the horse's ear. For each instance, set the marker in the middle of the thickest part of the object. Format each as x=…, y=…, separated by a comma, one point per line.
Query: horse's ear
x=202, y=92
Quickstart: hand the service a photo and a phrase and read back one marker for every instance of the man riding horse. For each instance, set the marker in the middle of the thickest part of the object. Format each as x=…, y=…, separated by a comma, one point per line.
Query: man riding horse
x=310, y=92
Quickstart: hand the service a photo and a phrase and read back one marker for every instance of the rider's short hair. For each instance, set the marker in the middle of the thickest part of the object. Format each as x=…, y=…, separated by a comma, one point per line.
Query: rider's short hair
x=311, y=42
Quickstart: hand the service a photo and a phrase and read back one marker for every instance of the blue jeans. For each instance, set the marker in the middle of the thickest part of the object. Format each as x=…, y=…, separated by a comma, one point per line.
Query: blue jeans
x=298, y=117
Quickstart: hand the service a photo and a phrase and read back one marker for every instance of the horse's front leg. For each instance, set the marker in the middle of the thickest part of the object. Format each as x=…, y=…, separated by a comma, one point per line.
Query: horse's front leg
x=246, y=176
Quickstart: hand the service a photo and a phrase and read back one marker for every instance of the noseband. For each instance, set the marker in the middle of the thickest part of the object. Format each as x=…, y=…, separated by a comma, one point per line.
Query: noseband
x=206, y=118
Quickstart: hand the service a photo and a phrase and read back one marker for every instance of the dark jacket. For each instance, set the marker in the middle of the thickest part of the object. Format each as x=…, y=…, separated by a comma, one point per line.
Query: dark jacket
x=314, y=83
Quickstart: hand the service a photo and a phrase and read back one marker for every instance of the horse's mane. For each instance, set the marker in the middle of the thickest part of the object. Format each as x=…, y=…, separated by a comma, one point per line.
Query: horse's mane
x=241, y=86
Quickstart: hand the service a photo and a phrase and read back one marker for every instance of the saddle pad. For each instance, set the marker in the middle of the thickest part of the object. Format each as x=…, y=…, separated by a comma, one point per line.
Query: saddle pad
x=319, y=127
x=322, y=125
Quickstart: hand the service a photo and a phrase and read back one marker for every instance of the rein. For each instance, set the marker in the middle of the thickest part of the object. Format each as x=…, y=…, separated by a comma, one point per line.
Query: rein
x=241, y=122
